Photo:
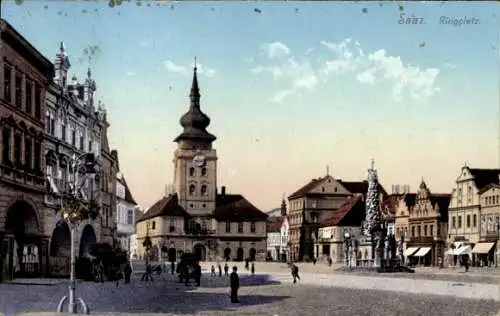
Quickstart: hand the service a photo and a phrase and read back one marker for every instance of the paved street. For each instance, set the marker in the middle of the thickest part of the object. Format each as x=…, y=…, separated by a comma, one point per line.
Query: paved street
x=259, y=296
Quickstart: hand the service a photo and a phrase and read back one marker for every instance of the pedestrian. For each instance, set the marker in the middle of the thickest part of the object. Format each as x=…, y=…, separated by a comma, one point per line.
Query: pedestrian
x=149, y=272
x=118, y=275
x=252, y=268
x=197, y=273
x=212, y=270
x=226, y=269
x=127, y=271
x=329, y=261
x=172, y=267
x=466, y=262
x=220, y=269
x=235, y=285
x=295, y=273
x=246, y=264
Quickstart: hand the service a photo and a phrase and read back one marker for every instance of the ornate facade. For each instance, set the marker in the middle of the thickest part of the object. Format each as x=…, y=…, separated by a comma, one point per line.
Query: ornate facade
x=428, y=223
x=74, y=125
x=24, y=237
x=195, y=217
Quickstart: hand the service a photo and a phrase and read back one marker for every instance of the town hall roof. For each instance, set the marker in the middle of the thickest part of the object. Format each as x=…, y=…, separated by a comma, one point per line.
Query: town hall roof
x=483, y=177
x=166, y=206
x=234, y=207
x=128, y=195
x=351, y=213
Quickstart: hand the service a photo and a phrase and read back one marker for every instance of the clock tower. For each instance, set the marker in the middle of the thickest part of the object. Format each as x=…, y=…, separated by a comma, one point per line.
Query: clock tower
x=195, y=161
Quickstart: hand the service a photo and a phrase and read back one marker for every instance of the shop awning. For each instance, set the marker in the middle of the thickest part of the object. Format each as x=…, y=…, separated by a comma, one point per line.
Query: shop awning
x=410, y=251
x=464, y=250
x=422, y=251
x=483, y=247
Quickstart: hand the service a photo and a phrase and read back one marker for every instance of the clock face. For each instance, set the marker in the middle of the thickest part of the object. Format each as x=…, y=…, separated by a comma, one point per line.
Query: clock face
x=199, y=160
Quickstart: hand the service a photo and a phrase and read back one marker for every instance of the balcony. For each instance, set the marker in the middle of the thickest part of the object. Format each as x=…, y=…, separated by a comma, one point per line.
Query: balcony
x=200, y=232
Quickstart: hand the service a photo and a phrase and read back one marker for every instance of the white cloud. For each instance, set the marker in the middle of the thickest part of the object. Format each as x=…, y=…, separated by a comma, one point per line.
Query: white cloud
x=281, y=95
x=130, y=73
x=170, y=66
x=448, y=65
x=276, y=49
x=202, y=69
x=348, y=58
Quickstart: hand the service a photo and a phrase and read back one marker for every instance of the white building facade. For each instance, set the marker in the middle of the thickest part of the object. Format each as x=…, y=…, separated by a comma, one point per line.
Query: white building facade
x=126, y=210
x=284, y=252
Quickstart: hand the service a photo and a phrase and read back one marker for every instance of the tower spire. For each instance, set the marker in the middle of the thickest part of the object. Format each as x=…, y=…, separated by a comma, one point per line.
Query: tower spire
x=195, y=90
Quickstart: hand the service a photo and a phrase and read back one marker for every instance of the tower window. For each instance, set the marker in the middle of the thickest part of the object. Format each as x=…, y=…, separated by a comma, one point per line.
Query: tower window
x=192, y=189
x=204, y=171
x=191, y=172
x=203, y=190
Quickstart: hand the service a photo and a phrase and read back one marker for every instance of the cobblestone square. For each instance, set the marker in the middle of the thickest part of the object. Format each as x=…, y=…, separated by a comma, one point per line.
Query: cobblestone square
x=259, y=295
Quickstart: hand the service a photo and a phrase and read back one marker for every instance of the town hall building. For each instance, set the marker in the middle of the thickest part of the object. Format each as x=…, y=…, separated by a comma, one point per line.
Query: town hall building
x=197, y=218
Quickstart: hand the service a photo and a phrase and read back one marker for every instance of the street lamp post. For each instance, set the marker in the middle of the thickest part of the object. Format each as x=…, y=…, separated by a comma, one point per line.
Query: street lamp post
x=75, y=209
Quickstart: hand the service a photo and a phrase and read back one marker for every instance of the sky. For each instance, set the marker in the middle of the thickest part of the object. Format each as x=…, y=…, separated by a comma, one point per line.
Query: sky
x=290, y=88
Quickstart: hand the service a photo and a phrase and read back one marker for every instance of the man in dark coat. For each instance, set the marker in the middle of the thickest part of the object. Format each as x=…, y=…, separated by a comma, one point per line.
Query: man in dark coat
x=197, y=273
x=235, y=285
x=226, y=269
x=220, y=269
x=252, y=268
x=172, y=267
x=127, y=271
x=295, y=273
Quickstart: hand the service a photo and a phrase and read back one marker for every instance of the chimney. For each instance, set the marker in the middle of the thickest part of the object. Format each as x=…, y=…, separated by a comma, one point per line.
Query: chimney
x=223, y=190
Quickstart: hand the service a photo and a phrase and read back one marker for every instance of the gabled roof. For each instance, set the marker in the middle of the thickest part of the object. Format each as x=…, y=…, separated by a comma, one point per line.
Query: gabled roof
x=360, y=187
x=234, y=207
x=351, y=213
x=489, y=186
x=483, y=177
x=274, y=223
x=166, y=206
x=410, y=199
x=443, y=201
x=128, y=195
x=390, y=204
x=308, y=187
x=355, y=187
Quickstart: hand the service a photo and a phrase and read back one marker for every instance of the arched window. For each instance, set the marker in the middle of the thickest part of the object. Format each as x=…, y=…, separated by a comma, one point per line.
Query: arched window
x=203, y=171
x=192, y=189
x=191, y=172
x=204, y=190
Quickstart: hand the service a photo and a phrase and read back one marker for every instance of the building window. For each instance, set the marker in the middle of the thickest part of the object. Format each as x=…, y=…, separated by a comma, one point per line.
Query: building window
x=192, y=189
x=5, y=144
x=419, y=231
x=81, y=142
x=28, y=154
x=191, y=172
x=468, y=221
x=425, y=230
x=203, y=171
x=474, y=220
x=460, y=222
x=90, y=146
x=7, y=73
x=454, y=222
x=29, y=96
x=38, y=103
x=431, y=230
x=17, y=150
x=228, y=226
x=47, y=123
x=63, y=132
x=204, y=190
x=52, y=126
x=130, y=217
x=73, y=137
x=252, y=227
x=38, y=154
x=240, y=227
x=18, y=90
x=153, y=225
x=172, y=226
x=438, y=230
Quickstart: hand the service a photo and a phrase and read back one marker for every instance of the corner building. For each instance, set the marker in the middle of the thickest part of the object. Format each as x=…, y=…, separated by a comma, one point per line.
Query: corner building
x=197, y=218
x=25, y=74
